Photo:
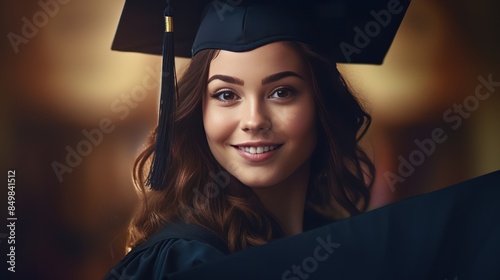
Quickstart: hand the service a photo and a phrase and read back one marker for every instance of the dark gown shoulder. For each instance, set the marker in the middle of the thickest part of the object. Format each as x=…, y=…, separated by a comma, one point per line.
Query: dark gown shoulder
x=313, y=219
x=173, y=248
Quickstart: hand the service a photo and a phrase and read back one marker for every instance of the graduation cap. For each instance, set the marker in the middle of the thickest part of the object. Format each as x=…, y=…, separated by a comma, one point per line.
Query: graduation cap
x=450, y=234
x=353, y=31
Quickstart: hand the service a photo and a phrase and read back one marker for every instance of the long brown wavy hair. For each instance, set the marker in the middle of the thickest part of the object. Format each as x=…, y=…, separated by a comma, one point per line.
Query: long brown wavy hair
x=340, y=177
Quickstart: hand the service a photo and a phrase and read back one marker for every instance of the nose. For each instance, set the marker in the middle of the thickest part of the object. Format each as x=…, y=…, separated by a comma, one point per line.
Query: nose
x=255, y=117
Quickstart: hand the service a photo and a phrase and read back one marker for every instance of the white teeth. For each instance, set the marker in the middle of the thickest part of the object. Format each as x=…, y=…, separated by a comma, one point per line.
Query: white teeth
x=258, y=150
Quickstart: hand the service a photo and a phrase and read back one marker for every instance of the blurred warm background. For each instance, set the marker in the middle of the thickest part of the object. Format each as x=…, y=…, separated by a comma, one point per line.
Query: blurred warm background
x=74, y=196
x=429, y=81
x=60, y=82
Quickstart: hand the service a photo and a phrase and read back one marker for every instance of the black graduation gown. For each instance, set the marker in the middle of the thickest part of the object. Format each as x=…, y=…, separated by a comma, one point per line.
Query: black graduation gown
x=178, y=247
x=452, y=233
x=175, y=247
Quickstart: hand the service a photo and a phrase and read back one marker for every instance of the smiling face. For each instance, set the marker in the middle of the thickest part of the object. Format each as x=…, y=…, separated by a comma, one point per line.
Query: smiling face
x=259, y=114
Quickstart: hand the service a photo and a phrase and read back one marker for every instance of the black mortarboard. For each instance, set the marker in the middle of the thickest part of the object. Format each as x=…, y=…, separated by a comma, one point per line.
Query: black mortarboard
x=354, y=31
x=451, y=234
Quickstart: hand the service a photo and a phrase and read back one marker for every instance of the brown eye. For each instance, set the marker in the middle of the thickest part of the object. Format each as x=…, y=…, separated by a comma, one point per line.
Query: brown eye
x=281, y=93
x=225, y=96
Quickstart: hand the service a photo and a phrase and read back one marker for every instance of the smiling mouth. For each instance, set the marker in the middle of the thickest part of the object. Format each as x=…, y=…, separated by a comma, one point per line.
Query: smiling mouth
x=258, y=149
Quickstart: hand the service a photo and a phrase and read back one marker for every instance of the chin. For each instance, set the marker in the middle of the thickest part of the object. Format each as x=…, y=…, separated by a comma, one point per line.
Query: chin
x=252, y=183
x=258, y=185
x=259, y=180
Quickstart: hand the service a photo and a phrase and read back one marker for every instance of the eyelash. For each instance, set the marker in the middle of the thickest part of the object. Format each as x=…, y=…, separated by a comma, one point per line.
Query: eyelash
x=216, y=95
x=291, y=92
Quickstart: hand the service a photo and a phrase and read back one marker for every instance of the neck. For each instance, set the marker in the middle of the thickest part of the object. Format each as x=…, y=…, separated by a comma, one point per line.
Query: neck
x=286, y=200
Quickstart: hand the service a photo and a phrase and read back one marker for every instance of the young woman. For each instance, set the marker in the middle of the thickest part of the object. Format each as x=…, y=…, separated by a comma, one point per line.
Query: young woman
x=265, y=146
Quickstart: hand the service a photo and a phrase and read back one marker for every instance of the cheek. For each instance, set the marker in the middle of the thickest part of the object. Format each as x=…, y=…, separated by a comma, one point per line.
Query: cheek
x=298, y=123
x=218, y=124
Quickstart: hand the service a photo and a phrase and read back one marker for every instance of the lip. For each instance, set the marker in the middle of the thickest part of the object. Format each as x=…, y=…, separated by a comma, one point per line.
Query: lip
x=256, y=157
x=256, y=144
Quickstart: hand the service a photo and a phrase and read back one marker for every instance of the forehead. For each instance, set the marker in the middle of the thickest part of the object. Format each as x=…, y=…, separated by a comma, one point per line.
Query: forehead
x=265, y=60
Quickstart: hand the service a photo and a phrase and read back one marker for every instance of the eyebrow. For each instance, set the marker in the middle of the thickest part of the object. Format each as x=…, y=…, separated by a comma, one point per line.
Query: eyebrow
x=266, y=80
x=279, y=76
x=227, y=79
